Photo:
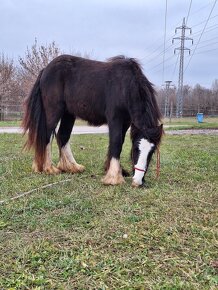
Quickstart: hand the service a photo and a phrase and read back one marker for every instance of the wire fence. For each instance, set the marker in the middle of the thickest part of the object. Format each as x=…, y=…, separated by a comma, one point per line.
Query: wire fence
x=190, y=111
x=11, y=112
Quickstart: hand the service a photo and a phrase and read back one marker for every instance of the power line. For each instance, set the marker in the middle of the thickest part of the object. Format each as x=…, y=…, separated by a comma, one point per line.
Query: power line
x=204, y=21
x=156, y=55
x=159, y=54
x=214, y=26
x=166, y=67
x=188, y=12
x=209, y=44
x=165, y=28
x=201, y=34
x=201, y=8
x=161, y=62
x=174, y=70
x=205, y=51
x=166, y=49
x=209, y=39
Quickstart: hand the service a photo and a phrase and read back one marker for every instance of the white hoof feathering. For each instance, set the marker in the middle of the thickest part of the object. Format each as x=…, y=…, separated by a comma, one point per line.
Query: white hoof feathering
x=47, y=167
x=135, y=184
x=67, y=162
x=51, y=170
x=114, y=174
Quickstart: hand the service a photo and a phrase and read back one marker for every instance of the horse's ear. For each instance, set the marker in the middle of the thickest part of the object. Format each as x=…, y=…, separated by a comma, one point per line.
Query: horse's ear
x=157, y=129
x=155, y=134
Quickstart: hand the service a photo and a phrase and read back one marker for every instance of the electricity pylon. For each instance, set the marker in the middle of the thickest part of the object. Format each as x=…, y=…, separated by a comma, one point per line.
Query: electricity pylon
x=182, y=48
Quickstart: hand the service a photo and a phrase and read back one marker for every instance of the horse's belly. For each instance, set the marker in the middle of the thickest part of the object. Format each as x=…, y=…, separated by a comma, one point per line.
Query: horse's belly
x=93, y=115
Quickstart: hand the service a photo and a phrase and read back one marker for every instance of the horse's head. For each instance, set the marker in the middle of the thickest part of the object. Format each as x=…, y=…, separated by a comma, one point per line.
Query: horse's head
x=144, y=144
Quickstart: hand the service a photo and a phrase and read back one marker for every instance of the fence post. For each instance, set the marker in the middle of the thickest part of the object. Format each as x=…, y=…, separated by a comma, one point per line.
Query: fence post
x=171, y=111
x=1, y=110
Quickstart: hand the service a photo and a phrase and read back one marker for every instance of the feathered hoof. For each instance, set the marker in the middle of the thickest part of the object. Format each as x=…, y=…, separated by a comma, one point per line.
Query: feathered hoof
x=80, y=168
x=134, y=184
x=51, y=170
x=35, y=168
x=113, y=179
x=71, y=168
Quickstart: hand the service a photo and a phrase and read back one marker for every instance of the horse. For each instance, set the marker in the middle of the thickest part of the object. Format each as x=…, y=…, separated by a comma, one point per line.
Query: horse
x=114, y=92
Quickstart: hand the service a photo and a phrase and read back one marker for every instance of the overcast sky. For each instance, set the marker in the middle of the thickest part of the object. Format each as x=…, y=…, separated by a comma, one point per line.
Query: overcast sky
x=105, y=28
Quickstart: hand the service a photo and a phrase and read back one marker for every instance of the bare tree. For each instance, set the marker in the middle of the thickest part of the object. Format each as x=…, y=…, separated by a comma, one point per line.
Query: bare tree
x=196, y=99
x=36, y=58
x=9, y=86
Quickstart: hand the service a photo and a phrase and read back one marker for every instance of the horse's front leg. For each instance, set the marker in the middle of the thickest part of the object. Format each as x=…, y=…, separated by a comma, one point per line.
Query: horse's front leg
x=114, y=171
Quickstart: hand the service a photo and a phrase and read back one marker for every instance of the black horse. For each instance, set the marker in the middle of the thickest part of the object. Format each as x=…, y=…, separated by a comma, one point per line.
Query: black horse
x=114, y=92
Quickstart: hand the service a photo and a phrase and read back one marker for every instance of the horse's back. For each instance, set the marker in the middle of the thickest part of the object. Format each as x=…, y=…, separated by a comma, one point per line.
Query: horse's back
x=78, y=84
x=86, y=88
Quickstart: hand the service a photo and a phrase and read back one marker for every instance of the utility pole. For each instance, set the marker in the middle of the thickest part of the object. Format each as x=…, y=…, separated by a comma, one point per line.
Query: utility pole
x=166, y=102
x=182, y=48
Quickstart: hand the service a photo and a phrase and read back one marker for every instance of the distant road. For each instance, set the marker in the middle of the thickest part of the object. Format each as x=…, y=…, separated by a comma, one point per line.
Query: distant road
x=79, y=130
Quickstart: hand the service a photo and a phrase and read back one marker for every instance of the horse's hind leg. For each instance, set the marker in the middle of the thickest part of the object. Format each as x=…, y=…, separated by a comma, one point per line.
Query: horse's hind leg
x=47, y=166
x=43, y=160
x=67, y=163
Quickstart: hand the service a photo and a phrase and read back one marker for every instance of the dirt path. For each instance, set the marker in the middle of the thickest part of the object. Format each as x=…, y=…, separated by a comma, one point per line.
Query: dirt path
x=79, y=130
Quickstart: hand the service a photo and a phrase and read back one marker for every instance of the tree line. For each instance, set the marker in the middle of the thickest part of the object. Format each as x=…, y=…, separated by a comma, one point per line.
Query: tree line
x=16, y=81
x=197, y=99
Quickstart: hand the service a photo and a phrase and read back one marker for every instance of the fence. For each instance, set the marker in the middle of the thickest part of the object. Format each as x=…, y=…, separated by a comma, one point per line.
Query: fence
x=190, y=111
x=14, y=112
x=11, y=112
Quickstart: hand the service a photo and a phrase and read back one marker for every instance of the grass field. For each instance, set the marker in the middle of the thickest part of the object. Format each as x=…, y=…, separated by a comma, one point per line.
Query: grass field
x=80, y=234
x=191, y=123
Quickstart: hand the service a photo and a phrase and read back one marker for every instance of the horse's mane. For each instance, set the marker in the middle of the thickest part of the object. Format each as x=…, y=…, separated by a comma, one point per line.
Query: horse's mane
x=146, y=92
x=144, y=106
x=117, y=58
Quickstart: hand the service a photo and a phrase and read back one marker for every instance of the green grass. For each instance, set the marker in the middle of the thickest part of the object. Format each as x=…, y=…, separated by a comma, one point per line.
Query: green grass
x=72, y=235
x=15, y=123
x=189, y=120
x=175, y=124
x=191, y=123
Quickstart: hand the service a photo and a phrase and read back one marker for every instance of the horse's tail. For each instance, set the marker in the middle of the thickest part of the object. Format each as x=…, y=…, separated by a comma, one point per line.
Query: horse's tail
x=34, y=122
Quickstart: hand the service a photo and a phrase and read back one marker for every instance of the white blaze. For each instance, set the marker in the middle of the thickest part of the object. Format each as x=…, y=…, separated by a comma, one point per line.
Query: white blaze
x=144, y=149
